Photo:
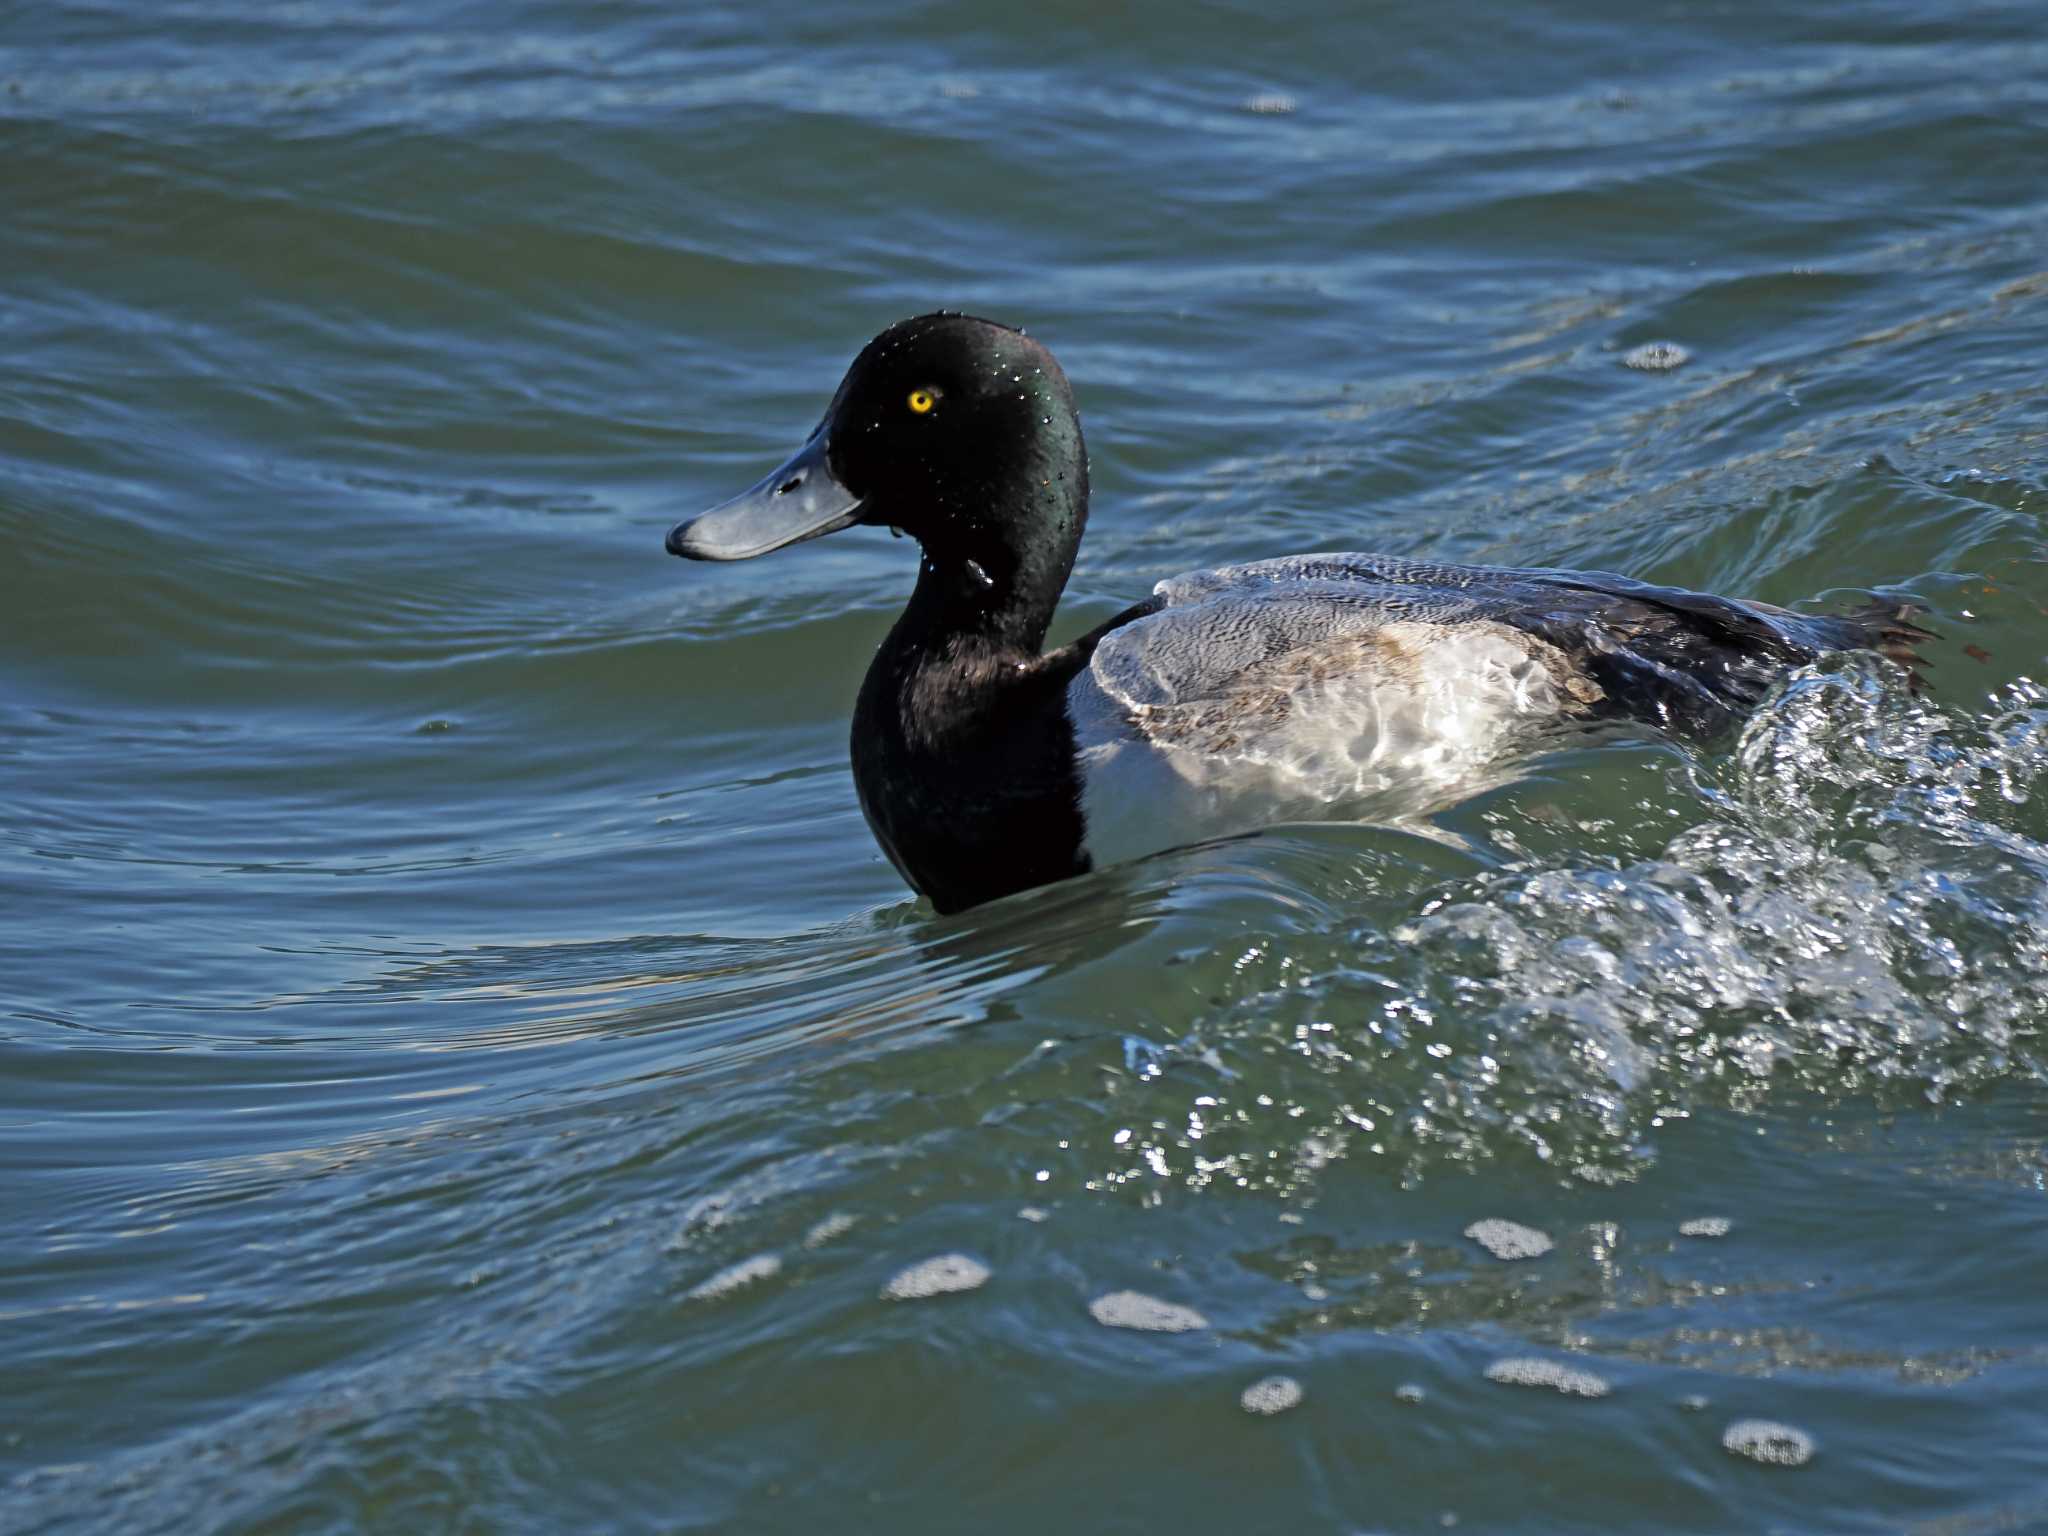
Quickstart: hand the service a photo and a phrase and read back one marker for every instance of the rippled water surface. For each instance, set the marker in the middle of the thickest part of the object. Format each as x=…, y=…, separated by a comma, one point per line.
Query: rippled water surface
x=467, y=1067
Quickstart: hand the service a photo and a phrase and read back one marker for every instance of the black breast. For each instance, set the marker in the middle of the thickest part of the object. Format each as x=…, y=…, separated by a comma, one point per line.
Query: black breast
x=964, y=759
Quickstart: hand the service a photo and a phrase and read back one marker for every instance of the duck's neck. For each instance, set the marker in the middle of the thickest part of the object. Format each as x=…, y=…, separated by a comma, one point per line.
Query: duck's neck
x=992, y=577
x=964, y=601
x=962, y=754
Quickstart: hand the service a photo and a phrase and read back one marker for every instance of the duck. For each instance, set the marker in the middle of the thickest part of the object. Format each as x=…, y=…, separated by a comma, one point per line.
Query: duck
x=1304, y=687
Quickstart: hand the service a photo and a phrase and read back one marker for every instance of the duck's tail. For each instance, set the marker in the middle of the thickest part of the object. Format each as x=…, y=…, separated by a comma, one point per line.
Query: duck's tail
x=1886, y=625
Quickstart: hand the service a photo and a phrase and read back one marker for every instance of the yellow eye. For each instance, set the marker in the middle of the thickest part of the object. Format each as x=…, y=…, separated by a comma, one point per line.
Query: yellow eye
x=922, y=400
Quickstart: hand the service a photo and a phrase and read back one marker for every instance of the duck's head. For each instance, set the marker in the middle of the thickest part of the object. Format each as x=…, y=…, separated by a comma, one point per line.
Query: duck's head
x=959, y=432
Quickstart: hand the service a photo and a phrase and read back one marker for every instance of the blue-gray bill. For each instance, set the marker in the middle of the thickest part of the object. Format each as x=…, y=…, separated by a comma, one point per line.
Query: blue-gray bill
x=798, y=501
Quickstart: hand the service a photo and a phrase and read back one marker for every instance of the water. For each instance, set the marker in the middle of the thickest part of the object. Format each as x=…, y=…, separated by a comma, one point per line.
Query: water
x=466, y=1065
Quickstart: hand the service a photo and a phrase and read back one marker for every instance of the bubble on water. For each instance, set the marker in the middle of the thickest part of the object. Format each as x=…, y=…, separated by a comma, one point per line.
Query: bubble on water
x=1134, y=1309
x=941, y=1276
x=1693, y=1402
x=1705, y=1226
x=838, y=1224
x=1310, y=1291
x=1034, y=1213
x=1409, y=1392
x=1656, y=357
x=1764, y=1440
x=1268, y=104
x=737, y=1277
x=1509, y=1240
x=1271, y=1394
x=1530, y=1371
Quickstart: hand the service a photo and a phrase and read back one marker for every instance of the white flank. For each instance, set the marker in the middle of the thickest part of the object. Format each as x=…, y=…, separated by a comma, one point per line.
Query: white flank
x=1383, y=723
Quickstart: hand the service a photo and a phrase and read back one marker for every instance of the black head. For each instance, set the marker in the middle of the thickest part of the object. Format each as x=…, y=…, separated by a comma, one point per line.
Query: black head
x=963, y=434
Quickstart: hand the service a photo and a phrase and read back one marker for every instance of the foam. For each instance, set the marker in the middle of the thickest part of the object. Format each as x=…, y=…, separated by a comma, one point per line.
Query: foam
x=838, y=1224
x=1768, y=1442
x=1509, y=1240
x=737, y=1277
x=1656, y=357
x=1148, y=1314
x=1270, y=1395
x=941, y=1276
x=1531, y=1371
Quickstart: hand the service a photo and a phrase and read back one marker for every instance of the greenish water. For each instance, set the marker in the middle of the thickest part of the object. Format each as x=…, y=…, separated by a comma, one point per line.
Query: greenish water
x=441, y=941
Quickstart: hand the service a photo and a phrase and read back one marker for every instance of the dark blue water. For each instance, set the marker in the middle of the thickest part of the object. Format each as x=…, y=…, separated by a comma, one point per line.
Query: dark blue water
x=463, y=1061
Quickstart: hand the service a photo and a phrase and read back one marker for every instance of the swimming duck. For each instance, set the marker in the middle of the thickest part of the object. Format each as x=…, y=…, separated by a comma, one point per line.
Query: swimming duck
x=1305, y=687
